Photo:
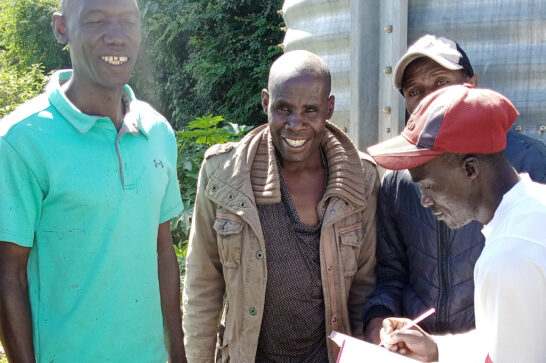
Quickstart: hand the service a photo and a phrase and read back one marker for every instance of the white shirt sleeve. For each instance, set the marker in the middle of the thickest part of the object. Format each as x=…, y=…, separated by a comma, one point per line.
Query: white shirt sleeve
x=465, y=347
x=510, y=302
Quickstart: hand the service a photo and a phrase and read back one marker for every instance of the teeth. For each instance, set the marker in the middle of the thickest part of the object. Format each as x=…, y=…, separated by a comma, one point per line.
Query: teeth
x=295, y=143
x=116, y=61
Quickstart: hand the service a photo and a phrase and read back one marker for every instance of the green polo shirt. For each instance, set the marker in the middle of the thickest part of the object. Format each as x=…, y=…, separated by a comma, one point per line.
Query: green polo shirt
x=88, y=200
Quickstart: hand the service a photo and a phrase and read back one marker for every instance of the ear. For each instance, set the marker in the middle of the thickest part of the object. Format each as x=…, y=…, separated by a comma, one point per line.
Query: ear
x=59, y=27
x=331, y=104
x=470, y=166
x=473, y=80
x=265, y=100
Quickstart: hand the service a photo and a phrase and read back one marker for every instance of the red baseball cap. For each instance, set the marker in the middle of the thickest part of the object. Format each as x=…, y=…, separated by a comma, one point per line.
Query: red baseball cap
x=456, y=119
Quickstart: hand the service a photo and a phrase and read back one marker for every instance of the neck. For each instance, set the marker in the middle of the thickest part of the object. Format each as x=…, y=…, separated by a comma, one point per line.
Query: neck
x=497, y=182
x=312, y=163
x=92, y=101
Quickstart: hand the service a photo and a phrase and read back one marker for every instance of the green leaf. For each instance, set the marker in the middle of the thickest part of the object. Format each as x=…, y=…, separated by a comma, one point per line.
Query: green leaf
x=205, y=122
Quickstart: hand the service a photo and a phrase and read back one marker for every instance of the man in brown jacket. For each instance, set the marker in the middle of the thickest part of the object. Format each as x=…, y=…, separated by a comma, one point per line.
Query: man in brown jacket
x=282, y=247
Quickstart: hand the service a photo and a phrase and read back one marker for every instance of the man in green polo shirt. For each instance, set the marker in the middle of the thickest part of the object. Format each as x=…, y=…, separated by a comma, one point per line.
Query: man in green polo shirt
x=88, y=186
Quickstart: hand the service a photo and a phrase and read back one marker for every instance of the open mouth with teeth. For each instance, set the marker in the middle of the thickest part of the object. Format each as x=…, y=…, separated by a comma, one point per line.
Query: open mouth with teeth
x=295, y=142
x=115, y=61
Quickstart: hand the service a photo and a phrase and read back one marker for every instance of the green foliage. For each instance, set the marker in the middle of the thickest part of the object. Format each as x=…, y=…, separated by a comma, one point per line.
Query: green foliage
x=28, y=50
x=209, y=57
x=193, y=141
x=18, y=84
x=3, y=358
x=197, y=57
x=26, y=34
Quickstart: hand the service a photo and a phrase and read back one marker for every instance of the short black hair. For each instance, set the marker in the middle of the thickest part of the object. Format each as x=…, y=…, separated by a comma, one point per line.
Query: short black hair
x=492, y=158
x=300, y=62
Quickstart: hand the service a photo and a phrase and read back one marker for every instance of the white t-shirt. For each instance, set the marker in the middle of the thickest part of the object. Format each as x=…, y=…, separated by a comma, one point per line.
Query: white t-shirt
x=510, y=284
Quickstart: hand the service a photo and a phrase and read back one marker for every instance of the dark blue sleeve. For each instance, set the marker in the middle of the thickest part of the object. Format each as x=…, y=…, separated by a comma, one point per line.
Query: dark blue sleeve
x=392, y=265
x=527, y=155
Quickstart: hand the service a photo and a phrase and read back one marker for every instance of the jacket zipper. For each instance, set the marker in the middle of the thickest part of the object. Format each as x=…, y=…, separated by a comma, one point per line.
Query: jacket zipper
x=443, y=268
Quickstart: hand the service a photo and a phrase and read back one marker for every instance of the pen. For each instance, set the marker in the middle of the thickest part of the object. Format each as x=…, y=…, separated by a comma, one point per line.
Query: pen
x=415, y=321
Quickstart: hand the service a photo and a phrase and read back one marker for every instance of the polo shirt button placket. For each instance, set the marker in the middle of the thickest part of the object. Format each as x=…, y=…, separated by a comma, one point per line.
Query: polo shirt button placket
x=124, y=162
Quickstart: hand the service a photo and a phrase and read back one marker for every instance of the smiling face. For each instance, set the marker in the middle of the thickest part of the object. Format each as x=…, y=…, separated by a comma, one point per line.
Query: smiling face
x=424, y=76
x=448, y=188
x=104, y=39
x=297, y=108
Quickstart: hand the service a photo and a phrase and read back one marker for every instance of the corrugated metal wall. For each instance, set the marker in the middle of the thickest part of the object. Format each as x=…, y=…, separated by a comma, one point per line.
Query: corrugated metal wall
x=323, y=27
x=504, y=39
x=506, y=43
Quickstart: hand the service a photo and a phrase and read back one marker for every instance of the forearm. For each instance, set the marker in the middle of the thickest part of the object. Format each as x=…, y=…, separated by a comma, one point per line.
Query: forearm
x=169, y=286
x=15, y=319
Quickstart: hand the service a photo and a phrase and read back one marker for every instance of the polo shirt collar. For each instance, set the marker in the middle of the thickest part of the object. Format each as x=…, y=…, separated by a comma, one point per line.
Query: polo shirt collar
x=83, y=122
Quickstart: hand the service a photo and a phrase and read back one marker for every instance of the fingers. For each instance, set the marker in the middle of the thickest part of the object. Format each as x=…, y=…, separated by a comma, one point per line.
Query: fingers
x=391, y=325
x=394, y=339
x=395, y=323
x=409, y=336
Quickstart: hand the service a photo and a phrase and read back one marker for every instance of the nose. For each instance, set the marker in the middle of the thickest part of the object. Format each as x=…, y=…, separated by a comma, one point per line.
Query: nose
x=114, y=34
x=295, y=121
x=426, y=200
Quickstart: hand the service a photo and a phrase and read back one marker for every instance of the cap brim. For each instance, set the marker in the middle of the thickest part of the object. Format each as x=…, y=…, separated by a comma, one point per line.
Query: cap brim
x=408, y=58
x=398, y=154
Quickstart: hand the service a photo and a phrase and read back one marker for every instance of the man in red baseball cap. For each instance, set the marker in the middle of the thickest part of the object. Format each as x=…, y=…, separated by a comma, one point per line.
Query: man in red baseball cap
x=453, y=146
x=421, y=262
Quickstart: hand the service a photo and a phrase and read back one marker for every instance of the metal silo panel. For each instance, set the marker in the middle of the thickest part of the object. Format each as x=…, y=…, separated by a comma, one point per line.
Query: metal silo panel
x=323, y=27
x=506, y=43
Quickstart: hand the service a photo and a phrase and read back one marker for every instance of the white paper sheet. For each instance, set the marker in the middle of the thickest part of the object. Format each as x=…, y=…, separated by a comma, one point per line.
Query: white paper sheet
x=358, y=351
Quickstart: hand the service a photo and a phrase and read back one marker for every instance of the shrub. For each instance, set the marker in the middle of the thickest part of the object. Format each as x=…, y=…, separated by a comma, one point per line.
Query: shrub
x=209, y=57
x=27, y=36
x=199, y=135
x=18, y=84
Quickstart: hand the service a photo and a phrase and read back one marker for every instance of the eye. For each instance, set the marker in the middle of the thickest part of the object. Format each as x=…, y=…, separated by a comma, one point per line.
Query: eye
x=282, y=108
x=94, y=19
x=130, y=21
x=413, y=92
x=441, y=82
x=425, y=186
x=311, y=109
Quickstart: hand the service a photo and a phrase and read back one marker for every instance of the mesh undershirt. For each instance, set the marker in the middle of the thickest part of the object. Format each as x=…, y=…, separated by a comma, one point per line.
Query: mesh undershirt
x=293, y=325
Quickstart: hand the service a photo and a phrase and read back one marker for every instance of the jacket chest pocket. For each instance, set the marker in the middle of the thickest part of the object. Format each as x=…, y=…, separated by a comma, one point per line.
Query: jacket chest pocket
x=229, y=232
x=350, y=239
